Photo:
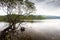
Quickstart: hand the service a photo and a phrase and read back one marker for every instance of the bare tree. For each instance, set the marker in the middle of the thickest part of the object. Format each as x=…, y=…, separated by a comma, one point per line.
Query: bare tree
x=20, y=7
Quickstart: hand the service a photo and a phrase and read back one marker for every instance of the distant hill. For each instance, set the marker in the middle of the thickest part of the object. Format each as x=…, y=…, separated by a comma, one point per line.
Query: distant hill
x=52, y=17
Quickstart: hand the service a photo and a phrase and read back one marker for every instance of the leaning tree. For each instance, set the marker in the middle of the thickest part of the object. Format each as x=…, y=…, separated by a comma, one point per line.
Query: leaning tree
x=19, y=7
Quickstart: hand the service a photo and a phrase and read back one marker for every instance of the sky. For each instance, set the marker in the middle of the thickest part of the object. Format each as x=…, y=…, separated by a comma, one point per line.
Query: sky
x=44, y=7
x=47, y=7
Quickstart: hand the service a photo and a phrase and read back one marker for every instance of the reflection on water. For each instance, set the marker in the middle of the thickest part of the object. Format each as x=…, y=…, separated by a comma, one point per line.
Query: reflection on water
x=3, y=25
x=46, y=27
x=51, y=24
x=47, y=24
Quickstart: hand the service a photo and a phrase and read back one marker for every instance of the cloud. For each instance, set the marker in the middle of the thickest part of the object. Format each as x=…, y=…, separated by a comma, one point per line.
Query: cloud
x=55, y=3
x=40, y=0
x=47, y=7
x=50, y=3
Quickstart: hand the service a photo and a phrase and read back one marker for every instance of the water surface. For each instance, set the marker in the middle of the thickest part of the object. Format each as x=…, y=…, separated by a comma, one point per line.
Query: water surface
x=47, y=25
x=49, y=28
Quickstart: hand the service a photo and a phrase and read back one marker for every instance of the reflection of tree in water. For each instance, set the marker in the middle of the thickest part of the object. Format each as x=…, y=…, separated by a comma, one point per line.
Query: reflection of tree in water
x=18, y=36
x=23, y=7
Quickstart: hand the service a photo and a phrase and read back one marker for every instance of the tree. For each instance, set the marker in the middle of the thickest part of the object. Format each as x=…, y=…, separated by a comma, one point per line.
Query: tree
x=21, y=7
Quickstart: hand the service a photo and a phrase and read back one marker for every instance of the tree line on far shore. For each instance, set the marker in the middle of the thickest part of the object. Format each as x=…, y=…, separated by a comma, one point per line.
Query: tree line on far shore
x=22, y=17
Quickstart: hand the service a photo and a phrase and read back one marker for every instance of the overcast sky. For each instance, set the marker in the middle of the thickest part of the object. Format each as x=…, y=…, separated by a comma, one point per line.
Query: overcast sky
x=45, y=7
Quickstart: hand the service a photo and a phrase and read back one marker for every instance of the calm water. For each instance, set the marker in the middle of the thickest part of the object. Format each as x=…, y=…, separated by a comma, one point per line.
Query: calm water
x=50, y=28
x=46, y=25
